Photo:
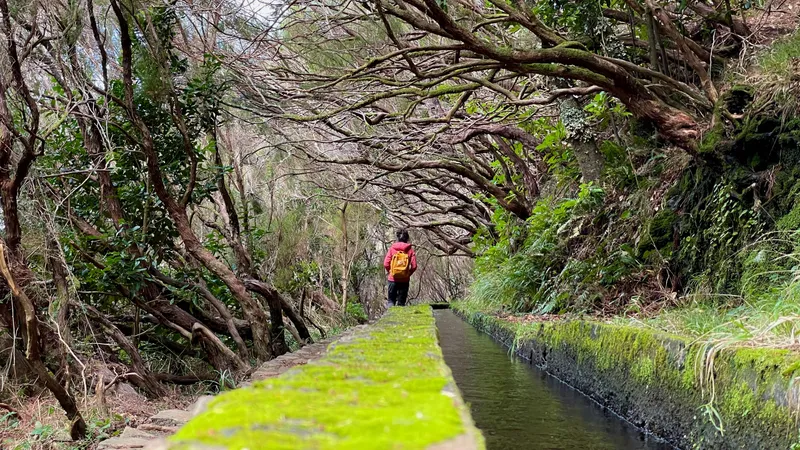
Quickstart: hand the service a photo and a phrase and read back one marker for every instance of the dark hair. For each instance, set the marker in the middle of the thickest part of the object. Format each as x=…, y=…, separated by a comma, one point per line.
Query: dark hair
x=402, y=235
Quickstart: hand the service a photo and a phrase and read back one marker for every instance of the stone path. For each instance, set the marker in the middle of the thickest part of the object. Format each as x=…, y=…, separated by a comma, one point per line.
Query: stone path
x=281, y=364
x=159, y=426
x=151, y=435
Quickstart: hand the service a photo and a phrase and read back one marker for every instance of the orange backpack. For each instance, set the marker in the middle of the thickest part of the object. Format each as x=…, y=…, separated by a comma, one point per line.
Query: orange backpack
x=400, y=269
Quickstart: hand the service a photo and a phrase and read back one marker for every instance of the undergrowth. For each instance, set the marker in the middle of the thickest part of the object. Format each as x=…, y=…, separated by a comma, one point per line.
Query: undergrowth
x=708, y=248
x=781, y=58
x=764, y=311
x=524, y=269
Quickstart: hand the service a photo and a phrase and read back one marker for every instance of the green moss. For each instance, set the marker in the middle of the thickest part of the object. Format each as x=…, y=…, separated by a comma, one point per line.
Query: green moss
x=764, y=360
x=790, y=221
x=751, y=391
x=689, y=378
x=386, y=388
x=778, y=61
x=740, y=406
x=659, y=233
x=714, y=139
x=738, y=401
x=643, y=370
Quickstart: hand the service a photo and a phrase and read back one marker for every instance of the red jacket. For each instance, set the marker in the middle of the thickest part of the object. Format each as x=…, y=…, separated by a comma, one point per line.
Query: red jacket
x=403, y=247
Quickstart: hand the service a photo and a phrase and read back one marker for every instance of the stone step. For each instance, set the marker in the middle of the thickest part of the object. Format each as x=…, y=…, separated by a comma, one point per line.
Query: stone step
x=171, y=418
x=157, y=430
x=131, y=438
x=121, y=443
x=135, y=433
x=200, y=404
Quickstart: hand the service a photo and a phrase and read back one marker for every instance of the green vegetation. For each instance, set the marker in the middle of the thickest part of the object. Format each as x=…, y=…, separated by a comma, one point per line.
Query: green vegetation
x=780, y=59
x=186, y=195
x=666, y=381
x=521, y=270
x=705, y=248
x=383, y=388
x=693, y=265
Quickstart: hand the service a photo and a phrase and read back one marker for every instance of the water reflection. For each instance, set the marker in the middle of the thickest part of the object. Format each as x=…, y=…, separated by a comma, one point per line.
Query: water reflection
x=518, y=406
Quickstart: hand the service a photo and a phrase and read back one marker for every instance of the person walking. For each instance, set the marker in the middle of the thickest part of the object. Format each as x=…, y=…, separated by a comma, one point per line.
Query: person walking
x=400, y=263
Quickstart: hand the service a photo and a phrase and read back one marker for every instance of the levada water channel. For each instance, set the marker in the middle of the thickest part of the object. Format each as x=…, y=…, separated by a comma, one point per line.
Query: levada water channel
x=518, y=406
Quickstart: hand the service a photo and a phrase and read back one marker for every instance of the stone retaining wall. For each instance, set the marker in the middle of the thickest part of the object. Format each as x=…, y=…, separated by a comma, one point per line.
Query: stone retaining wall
x=746, y=399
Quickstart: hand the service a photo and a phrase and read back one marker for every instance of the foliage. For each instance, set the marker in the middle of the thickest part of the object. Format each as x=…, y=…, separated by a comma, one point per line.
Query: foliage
x=762, y=308
x=719, y=229
x=527, y=274
x=356, y=312
x=556, y=153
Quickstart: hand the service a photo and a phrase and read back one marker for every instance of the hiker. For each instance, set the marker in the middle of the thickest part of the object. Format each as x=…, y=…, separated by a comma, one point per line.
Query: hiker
x=400, y=263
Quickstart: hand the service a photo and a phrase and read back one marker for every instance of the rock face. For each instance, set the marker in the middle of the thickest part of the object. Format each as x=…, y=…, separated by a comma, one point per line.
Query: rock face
x=664, y=383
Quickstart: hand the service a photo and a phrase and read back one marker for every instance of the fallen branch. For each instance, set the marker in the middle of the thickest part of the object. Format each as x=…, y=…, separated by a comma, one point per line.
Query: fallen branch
x=10, y=409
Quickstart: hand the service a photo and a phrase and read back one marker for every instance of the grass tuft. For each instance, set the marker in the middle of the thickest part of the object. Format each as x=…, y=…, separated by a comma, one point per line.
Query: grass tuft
x=781, y=59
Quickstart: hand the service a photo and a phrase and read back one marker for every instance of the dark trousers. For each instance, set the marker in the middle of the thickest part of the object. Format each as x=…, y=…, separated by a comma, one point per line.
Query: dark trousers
x=398, y=293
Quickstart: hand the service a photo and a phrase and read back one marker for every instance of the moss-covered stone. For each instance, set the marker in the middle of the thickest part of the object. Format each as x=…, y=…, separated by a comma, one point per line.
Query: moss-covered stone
x=680, y=390
x=659, y=233
x=386, y=387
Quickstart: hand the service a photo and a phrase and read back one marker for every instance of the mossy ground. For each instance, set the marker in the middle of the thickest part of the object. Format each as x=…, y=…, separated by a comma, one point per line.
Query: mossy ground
x=385, y=388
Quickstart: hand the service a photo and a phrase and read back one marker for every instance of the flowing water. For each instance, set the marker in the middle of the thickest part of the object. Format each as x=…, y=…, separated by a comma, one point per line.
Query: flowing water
x=518, y=406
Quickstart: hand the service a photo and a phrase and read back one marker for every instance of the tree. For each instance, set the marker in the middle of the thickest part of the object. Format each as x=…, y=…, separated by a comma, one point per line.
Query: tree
x=448, y=88
x=21, y=142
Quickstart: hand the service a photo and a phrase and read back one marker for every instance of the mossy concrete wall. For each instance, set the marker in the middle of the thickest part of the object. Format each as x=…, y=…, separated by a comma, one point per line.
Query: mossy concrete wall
x=383, y=387
x=746, y=399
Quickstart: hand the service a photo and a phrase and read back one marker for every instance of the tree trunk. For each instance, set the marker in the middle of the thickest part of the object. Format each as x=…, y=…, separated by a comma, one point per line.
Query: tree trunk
x=262, y=346
x=185, y=324
x=215, y=303
x=58, y=269
x=234, y=238
x=295, y=318
x=674, y=125
x=144, y=379
x=345, y=265
x=251, y=309
x=172, y=317
x=219, y=353
x=26, y=319
x=579, y=135
x=273, y=299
